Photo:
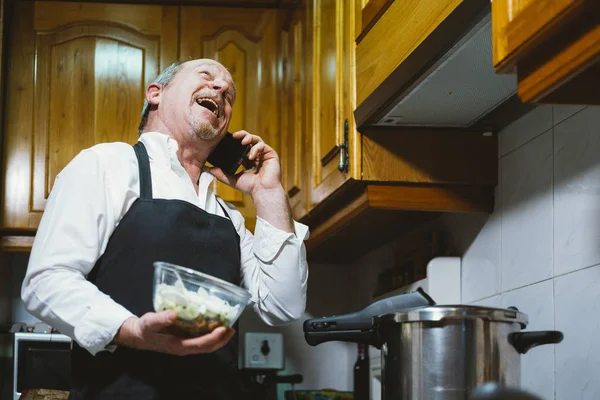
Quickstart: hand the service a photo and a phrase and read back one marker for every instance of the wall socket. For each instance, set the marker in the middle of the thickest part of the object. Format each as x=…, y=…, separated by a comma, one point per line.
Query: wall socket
x=263, y=351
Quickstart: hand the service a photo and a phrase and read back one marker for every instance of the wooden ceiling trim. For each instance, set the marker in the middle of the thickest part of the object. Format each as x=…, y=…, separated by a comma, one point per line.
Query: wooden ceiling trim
x=283, y=4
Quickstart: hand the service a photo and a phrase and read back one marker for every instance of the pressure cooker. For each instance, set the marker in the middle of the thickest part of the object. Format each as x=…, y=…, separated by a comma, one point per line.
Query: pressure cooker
x=436, y=352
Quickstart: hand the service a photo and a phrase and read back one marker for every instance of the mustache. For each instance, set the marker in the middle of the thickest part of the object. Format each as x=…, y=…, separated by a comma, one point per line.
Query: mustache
x=213, y=94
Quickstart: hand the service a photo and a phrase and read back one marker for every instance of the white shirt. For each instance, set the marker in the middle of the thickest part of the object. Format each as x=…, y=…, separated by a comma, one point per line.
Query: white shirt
x=89, y=198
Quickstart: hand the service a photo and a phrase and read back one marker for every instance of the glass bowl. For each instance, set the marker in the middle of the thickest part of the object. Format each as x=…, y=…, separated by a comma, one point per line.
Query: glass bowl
x=202, y=302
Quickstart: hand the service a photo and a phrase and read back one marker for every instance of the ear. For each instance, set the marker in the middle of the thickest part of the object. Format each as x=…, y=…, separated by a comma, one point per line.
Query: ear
x=153, y=93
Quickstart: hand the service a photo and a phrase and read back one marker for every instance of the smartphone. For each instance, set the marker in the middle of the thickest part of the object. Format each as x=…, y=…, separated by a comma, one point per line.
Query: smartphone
x=229, y=154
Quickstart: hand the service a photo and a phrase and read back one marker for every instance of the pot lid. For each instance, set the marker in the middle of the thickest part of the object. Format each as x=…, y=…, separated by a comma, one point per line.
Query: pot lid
x=447, y=312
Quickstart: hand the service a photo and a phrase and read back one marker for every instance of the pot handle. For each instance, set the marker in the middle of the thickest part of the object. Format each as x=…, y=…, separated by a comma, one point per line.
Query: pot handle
x=369, y=337
x=525, y=341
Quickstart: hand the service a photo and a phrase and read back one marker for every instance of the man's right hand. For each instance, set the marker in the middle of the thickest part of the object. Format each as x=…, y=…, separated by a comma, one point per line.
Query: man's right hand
x=149, y=333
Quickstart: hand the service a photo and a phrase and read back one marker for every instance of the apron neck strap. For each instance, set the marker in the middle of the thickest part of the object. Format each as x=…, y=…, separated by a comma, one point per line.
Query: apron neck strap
x=144, y=166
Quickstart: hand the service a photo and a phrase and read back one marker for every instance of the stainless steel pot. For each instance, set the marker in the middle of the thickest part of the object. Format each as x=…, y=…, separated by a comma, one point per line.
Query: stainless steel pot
x=445, y=352
x=438, y=352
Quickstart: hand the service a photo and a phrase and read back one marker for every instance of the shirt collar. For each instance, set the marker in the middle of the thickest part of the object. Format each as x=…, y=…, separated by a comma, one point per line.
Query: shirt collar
x=163, y=148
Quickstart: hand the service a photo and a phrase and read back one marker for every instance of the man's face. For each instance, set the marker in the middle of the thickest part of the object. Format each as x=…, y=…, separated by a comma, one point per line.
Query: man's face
x=199, y=99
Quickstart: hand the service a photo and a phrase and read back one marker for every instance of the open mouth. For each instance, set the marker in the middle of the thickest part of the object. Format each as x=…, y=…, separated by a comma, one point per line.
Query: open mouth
x=209, y=104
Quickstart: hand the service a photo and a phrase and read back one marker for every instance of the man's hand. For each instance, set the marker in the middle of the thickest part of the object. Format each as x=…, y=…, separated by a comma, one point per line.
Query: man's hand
x=264, y=170
x=149, y=333
x=262, y=182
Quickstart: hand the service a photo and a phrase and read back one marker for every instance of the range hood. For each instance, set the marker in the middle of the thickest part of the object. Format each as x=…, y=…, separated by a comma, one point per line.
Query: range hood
x=456, y=87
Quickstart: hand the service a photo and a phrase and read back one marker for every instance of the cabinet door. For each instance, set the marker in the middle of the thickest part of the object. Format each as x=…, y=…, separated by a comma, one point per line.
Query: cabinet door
x=293, y=122
x=245, y=41
x=553, y=48
x=332, y=89
x=76, y=77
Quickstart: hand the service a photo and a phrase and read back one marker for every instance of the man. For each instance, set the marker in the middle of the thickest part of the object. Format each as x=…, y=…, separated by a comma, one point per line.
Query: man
x=114, y=210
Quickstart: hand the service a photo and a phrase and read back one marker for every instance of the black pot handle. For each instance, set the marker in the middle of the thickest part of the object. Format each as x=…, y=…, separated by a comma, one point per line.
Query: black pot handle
x=525, y=341
x=359, y=326
x=366, y=337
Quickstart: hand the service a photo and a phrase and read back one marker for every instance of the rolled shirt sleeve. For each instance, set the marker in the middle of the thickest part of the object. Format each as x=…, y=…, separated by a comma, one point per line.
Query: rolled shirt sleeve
x=73, y=233
x=275, y=271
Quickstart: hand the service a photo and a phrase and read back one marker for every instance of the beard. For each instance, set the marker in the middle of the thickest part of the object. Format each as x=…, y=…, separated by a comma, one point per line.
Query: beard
x=201, y=129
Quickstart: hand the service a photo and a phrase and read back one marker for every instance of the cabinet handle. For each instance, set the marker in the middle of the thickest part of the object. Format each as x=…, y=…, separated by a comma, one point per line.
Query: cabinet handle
x=344, y=160
x=294, y=190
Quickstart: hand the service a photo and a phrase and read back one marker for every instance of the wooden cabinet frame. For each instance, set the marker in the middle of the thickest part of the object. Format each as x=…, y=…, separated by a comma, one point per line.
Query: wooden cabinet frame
x=552, y=46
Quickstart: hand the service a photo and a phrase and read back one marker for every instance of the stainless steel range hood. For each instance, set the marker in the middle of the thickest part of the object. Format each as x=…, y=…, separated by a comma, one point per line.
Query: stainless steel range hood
x=455, y=91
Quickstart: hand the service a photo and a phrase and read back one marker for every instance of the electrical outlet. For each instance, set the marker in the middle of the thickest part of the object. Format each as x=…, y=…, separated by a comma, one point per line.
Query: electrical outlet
x=263, y=350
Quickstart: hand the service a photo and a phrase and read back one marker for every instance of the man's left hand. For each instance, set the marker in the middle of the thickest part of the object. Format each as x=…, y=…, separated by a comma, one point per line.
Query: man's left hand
x=264, y=173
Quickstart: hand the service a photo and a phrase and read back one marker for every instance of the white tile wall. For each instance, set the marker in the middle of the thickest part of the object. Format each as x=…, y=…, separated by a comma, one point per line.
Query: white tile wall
x=577, y=191
x=328, y=365
x=543, y=241
x=577, y=301
x=525, y=129
x=527, y=213
x=564, y=112
x=481, y=263
x=537, y=365
x=493, y=302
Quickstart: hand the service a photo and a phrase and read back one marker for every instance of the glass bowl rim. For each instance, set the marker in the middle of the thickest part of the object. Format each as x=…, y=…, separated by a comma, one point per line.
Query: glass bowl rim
x=220, y=283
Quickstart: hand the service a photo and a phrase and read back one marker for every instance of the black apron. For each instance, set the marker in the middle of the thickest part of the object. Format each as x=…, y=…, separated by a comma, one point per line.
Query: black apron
x=152, y=230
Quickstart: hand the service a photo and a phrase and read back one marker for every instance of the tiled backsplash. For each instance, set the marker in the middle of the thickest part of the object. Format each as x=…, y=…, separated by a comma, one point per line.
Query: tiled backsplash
x=540, y=249
x=332, y=289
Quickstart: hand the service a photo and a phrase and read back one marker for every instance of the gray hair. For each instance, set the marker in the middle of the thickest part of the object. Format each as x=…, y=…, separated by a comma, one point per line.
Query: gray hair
x=164, y=78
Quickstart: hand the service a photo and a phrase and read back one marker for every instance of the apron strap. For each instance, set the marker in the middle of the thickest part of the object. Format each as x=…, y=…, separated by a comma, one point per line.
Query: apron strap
x=144, y=166
x=224, y=210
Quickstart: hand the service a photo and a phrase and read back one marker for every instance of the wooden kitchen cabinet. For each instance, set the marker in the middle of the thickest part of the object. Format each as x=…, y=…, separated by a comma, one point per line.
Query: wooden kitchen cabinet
x=552, y=46
x=398, y=178
x=76, y=76
x=4, y=11
x=331, y=90
x=246, y=41
x=296, y=74
x=294, y=121
x=317, y=127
